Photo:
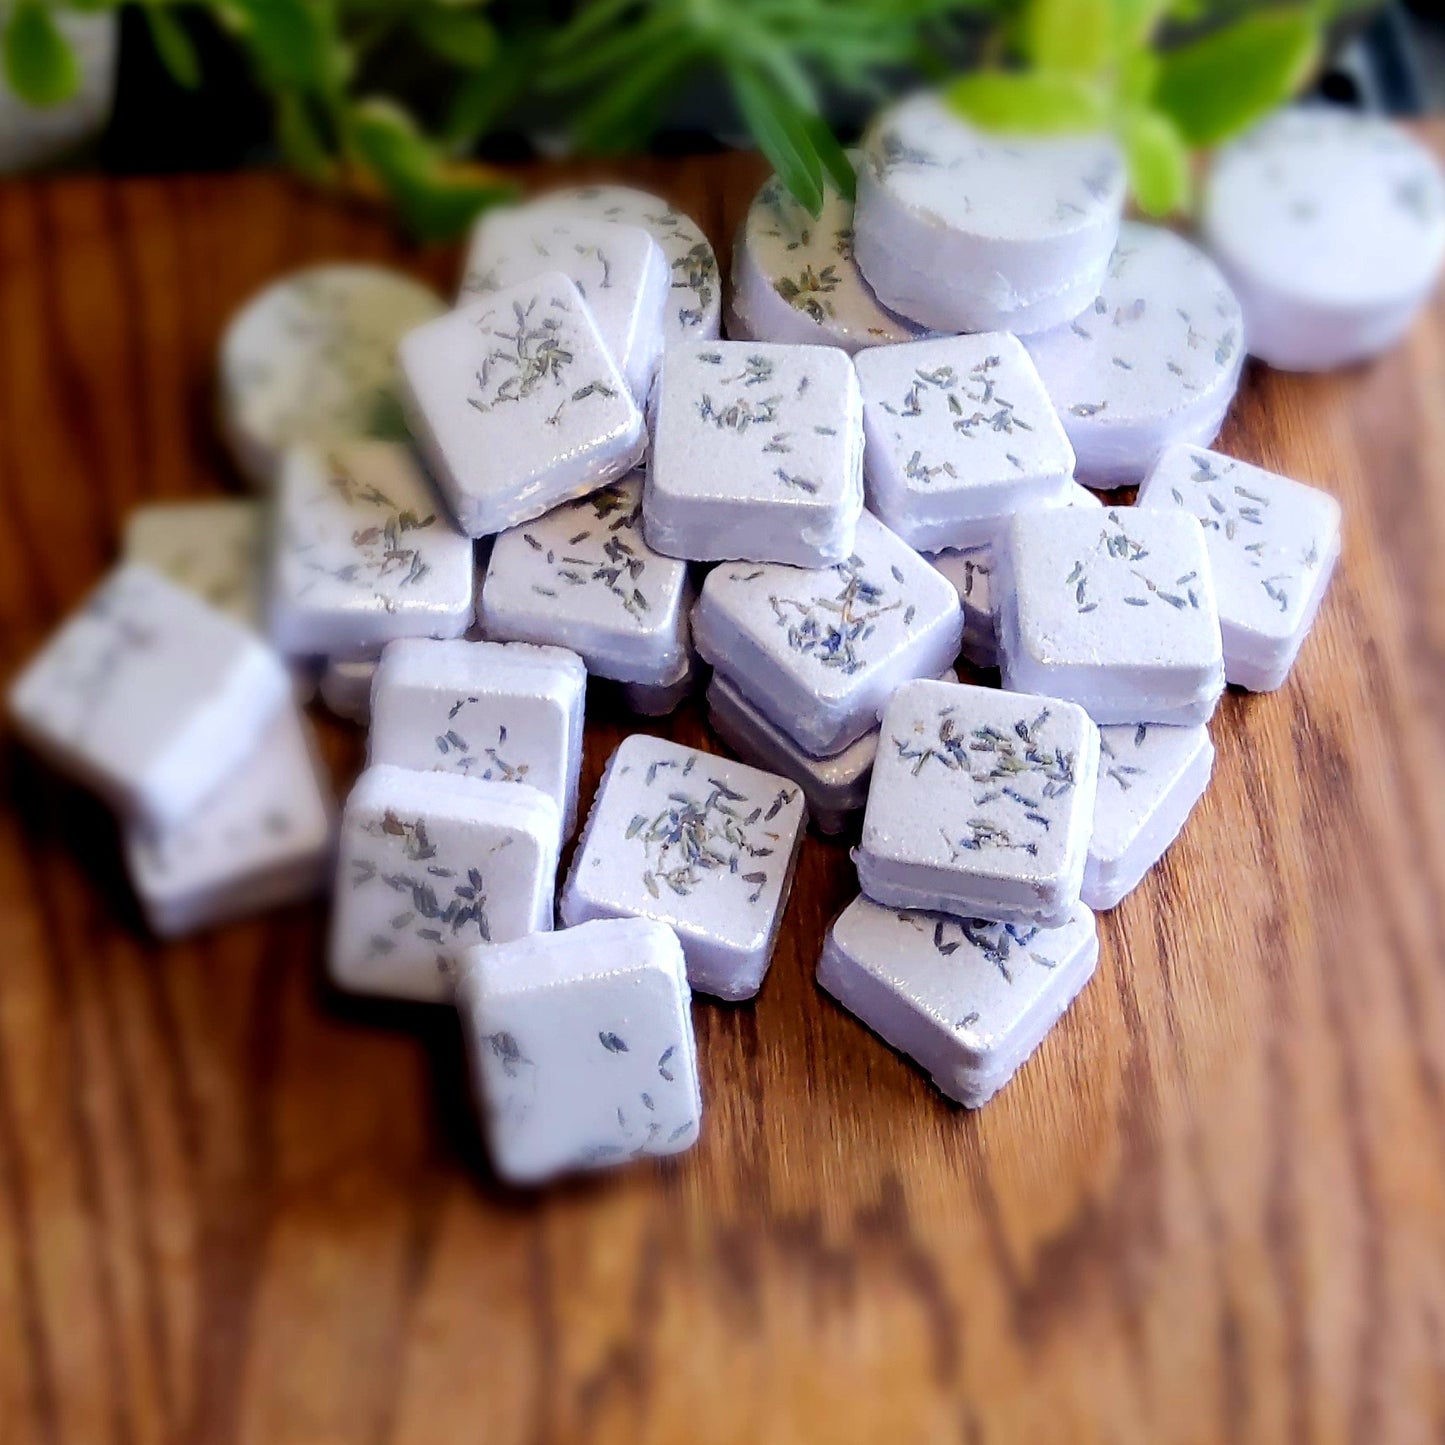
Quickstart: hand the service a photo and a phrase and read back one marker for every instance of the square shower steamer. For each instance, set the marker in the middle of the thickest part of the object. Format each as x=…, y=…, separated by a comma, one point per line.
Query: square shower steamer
x=820, y=651
x=260, y=840
x=967, y=1000
x=1114, y=611
x=517, y=404
x=700, y=842
x=1273, y=544
x=363, y=552
x=981, y=804
x=502, y=712
x=582, y=1047
x=584, y=577
x=432, y=865
x=149, y=696
x=757, y=453
x=960, y=434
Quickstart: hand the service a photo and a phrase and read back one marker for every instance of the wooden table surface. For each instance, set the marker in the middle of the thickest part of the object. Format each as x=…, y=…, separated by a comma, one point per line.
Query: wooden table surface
x=1211, y=1209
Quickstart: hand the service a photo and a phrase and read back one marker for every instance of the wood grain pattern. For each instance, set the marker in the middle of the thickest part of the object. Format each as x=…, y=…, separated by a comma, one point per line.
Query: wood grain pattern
x=235, y=1209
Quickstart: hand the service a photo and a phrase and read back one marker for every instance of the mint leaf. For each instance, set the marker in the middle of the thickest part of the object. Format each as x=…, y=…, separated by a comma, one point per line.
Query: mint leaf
x=1158, y=161
x=39, y=64
x=1070, y=36
x=288, y=41
x=1215, y=87
x=296, y=133
x=174, y=47
x=1029, y=102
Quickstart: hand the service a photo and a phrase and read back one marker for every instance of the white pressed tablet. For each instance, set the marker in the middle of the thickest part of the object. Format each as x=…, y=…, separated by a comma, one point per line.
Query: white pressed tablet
x=694, y=312
x=1273, y=544
x=363, y=551
x=757, y=453
x=966, y=1000
x=1330, y=225
x=620, y=270
x=1115, y=612
x=832, y=787
x=148, y=696
x=211, y=548
x=960, y=434
x=821, y=651
x=430, y=866
x=970, y=569
x=584, y=577
x=502, y=712
x=1154, y=359
x=582, y=1048
x=795, y=280
x=346, y=688
x=517, y=404
x=981, y=804
x=699, y=842
x=263, y=838
x=1150, y=778
x=963, y=231
x=312, y=360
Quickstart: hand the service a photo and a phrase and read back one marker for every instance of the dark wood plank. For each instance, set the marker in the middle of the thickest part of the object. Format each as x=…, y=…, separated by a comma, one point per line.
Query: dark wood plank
x=234, y=1208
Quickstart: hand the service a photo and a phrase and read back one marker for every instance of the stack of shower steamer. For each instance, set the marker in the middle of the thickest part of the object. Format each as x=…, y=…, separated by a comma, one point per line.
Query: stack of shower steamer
x=462, y=514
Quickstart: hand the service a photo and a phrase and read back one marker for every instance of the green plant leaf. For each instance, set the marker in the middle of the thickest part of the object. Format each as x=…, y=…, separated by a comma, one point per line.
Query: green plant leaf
x=461, y=39
x=296, y=133
x=40, y=66
x=1029, y=102
x=1217, y=86
x=174, y=47
x=1135, y=22
x=434, y=201
x=1071, y=37
x=834, y=158
x=624, y=114
x=782, y=135
x=1158, y=161
x=289, y=41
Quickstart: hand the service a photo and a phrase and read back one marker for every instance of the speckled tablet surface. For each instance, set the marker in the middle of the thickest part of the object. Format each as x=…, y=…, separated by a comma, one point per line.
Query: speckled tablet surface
x=699, y=842
x=363, y=551
x=312, y=359
x=694, y=312
x=620, y=270
x=1154, y=358
x=431, y=865
x=263, y=838
x=967, y=1000
x=148, y=696
x=517, y=404
x=1330, y=225
x=582, y=1048
x=1150, y=778
x=795, y=279
x=981, y=804
x=212, y=548
x=584, y=577
x=502, y=712
x=960, y=434
x=820, y=652
x=757, y=453
x=1273, y=544
x=1115, y=611
x=962, y=231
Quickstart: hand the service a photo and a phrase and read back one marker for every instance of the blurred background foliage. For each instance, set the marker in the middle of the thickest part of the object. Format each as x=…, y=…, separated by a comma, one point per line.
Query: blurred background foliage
x=409, y=98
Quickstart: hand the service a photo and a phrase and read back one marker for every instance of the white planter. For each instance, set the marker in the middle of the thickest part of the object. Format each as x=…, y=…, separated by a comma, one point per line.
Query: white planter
x=30, y=136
